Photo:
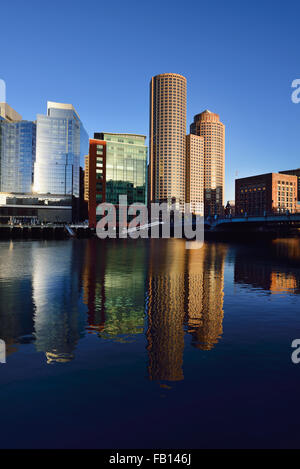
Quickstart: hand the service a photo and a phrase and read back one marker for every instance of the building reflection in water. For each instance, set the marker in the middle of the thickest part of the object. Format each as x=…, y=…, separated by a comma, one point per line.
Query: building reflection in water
x=184, y=286
x=114, y=288
x=59, y=321
x=165, y=308
x=16, y=306
x=53, y=292
x=272, y=267
x=205, y=294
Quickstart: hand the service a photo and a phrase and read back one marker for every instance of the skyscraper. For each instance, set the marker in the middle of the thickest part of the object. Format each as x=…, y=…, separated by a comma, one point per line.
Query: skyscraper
x=208, y=126
x=17, y=151
x=166, y=181
x=61, y=145
x=194, y=191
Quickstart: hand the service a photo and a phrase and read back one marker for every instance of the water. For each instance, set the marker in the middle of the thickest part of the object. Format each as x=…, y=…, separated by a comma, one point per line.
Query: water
x=145, y=344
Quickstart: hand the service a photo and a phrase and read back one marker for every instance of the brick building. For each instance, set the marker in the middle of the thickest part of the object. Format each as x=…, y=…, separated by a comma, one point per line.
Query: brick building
x=266, y=194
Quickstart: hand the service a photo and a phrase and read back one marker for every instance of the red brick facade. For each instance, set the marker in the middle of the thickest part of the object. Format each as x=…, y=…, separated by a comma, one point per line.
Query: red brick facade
x=266, y=194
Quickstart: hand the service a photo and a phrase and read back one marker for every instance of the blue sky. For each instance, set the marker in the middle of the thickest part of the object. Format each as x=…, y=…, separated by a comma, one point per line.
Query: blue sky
x=239, y=58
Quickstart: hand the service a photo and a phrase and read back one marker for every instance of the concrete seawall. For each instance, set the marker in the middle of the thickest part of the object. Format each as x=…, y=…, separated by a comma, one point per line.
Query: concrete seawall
x=42, y=232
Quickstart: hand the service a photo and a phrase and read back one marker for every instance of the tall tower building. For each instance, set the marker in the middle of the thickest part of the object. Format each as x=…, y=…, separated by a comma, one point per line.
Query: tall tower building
x=61, y=143
x=167, y=139
x=194, y=190
x=208, y=125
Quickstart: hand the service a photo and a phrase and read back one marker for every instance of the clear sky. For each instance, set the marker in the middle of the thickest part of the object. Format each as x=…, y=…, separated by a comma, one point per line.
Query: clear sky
x=239, y=58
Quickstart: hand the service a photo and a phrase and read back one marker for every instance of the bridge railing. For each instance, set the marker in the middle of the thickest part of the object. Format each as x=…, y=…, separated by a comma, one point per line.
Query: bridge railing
x=244, y=218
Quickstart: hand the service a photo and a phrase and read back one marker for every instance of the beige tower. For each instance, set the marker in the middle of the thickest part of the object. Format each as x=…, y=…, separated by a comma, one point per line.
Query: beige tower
x=167, y=139
x=208, y=125
x=194, y=191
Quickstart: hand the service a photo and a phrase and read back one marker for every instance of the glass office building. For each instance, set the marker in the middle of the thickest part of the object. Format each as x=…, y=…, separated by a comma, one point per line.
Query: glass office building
x=61, y=143
x=117, y=166
x=126, y=161
x=17, y=155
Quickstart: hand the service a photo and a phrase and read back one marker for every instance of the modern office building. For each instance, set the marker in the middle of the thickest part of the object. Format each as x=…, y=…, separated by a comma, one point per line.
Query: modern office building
x=294, y=172
x=266, y=194
x=207, y=125
x=17, y=155
x=17, y=151
x=194, y=191
x=167, y=146
x=117, y=166
x=61, y=143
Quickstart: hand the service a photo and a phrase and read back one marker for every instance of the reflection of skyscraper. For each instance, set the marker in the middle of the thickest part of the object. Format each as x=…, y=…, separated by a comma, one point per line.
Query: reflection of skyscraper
x=204, y=290
x=114, y=288
x=183, y=285
x=165, y=333
x=59, y=319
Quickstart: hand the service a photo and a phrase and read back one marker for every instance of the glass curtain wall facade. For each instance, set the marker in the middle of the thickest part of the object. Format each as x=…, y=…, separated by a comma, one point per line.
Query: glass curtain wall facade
x=61, y=145
x=126, y=167
x=17, y=155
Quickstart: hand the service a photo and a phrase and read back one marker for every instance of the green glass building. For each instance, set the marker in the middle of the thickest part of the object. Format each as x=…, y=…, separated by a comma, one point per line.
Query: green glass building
x=126, y=167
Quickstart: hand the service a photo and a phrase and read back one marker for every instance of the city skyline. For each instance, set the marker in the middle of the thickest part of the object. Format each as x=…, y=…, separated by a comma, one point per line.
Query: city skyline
x=247, y=82
x=149, y=227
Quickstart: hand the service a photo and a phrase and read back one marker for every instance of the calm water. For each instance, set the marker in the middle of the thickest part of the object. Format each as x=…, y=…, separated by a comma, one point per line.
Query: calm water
x=146, y=344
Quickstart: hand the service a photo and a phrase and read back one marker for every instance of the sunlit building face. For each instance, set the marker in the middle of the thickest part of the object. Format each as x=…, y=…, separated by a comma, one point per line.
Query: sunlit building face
x=167, y=139
x=61, y=143
x=194, y=191
x=208, y=125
